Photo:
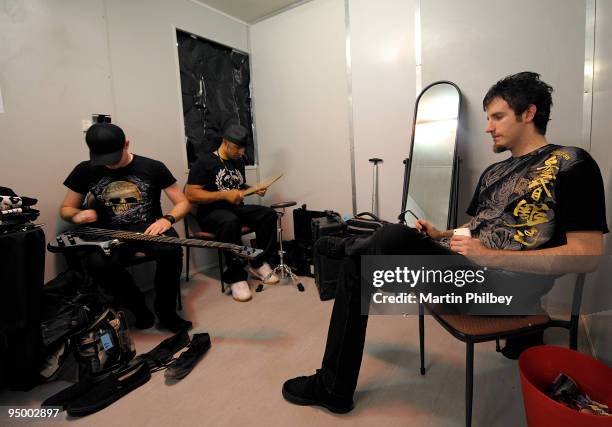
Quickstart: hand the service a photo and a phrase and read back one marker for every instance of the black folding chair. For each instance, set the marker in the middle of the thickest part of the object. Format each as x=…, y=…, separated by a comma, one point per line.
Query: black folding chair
x=476, y=329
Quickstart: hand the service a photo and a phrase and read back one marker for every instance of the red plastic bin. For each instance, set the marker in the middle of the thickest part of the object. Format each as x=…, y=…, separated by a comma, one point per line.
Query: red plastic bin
x=539, y=366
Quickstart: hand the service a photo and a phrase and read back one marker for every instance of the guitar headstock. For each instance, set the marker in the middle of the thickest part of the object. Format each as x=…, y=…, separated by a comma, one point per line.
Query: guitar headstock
x=77, y=240
x=246, y=251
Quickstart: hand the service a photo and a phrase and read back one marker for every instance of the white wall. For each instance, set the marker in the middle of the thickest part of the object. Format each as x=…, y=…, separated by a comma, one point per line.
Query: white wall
x=300, y=93
x=54, y=72
x=383, y=82
x=600, y=326
x=301, y=101
x=475, y=43
x=61, y=61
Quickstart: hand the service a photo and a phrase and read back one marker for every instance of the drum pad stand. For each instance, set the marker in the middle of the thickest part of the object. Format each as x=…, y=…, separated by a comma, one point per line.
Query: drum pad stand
x=282, y=270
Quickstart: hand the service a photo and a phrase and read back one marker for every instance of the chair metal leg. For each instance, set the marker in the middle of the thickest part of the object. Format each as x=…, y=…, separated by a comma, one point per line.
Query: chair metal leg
x=422, y=338
x=573, y=330
x=469, y=382
x=188, y=252
x=575, y=317
x=497, y=346
x=179, y=299
x=187, y=236
x=220, y=254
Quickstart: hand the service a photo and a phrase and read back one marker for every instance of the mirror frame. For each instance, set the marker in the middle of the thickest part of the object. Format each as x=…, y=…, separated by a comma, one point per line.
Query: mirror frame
x=454, y=190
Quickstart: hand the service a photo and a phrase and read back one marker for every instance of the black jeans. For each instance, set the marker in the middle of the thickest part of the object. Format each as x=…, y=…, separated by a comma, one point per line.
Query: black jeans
x=347, y=327
x=226, y=224
x=109, y=272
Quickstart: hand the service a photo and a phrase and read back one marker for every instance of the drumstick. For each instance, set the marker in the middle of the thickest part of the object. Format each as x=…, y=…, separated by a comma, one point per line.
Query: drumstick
x=261, y=185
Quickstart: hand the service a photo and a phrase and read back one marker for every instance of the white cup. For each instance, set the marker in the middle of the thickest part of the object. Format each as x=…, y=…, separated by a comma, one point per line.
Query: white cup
x=462, y=232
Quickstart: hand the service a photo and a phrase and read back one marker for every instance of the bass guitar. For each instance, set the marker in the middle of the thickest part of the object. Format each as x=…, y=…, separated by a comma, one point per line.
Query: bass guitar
x=105, y=240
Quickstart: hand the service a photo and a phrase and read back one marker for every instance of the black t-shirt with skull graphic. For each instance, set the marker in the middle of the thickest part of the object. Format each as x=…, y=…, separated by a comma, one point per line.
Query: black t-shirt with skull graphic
x=125, y=196
x=214, y=174
x=531, y=201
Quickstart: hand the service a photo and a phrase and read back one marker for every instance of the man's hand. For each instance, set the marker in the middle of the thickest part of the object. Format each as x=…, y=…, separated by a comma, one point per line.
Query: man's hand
x=428, y=228
x=85, y=216
x=468, y=246
x=234, y=197
x=158, y=227
x=261, y=192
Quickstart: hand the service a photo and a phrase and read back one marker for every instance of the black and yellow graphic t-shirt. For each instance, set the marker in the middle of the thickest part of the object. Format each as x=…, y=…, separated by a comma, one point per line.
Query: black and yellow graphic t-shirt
x=531, y=201
x=125, y=196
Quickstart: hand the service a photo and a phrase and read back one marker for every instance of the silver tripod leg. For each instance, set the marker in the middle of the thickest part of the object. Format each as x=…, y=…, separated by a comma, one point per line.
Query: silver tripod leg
x=282, y=270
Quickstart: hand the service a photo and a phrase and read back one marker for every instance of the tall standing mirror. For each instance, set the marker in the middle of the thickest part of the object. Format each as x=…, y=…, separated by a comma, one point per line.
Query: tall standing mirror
x=430, y=186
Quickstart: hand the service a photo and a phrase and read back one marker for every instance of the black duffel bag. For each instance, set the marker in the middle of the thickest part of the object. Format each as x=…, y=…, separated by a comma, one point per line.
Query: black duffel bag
x=70, y=302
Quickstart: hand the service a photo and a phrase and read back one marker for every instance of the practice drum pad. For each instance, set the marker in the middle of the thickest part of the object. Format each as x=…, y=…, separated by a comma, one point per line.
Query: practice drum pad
x=283, y=205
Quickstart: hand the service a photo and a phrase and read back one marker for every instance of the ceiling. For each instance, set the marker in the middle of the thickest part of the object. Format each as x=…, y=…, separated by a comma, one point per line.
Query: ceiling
x=250, y=11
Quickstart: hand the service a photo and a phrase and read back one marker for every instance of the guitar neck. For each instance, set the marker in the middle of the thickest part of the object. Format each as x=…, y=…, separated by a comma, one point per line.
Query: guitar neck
x=132, y=236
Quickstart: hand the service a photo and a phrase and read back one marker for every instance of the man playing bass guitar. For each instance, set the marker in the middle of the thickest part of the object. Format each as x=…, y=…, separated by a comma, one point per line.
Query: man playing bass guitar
x=119, y=190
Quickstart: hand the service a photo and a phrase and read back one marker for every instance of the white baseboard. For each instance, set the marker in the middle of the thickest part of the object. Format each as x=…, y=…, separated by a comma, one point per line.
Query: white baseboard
x=202, y=269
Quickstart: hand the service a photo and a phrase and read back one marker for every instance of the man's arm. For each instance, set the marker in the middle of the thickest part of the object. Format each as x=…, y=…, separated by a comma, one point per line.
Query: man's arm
x=70, y=209
x=581, y=254
x=196, y=194
x=179, y=210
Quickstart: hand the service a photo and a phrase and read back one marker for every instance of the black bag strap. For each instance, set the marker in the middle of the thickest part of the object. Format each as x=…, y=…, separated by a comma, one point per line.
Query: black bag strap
x=163, y=352
x=366, y=214
x=333, y=214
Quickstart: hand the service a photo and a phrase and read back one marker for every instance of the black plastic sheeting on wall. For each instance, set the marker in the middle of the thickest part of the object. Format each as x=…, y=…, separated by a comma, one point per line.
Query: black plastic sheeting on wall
x=215, y=88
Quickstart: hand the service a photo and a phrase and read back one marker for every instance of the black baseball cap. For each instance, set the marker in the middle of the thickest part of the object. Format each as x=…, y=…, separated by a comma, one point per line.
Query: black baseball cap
x=237, y=134
x=105, y=142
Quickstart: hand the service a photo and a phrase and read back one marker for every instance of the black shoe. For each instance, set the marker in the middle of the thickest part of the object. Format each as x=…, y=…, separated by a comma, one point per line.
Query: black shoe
x=310, y=391
x=163, y=352
x=200, y=343
x=70, y=393
x=109, y=390
x=331, y=246
x=516, y=345
x=173, y=322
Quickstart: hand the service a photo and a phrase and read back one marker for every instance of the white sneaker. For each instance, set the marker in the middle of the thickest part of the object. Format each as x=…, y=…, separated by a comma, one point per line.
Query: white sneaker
x=241, y=291
x=264, y=273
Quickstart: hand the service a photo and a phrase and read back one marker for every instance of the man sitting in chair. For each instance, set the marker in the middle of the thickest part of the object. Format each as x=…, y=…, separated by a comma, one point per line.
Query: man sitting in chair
x=540, y=211
x=216, y=183
x=125, y=190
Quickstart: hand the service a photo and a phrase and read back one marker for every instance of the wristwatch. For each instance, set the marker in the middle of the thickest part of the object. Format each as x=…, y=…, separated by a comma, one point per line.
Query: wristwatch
x=170, y=218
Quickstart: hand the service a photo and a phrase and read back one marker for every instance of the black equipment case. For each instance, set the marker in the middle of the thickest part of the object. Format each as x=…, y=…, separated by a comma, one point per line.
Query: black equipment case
x=302, y=228
x=309, y=226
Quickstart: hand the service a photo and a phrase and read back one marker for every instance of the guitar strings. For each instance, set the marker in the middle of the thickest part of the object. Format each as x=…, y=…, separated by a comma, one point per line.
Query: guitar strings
x=129, y=235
